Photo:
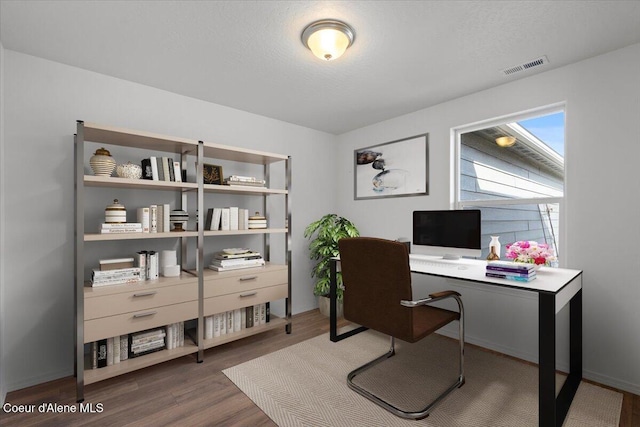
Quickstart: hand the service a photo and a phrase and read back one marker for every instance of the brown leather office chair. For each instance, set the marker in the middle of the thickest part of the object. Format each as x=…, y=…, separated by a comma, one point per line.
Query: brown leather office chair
x=378, y=295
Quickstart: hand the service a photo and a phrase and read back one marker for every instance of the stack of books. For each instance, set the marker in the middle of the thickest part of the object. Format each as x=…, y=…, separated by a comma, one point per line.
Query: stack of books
x=115, y=271
x=235, y=259
x=122, y=227
x=145, y=342
x=247, y=181
x=161, y=169
x=117, y=276
x=518, y=271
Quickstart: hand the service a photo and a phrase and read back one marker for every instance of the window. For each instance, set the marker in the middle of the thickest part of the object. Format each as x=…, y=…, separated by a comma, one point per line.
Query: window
x=518, y=188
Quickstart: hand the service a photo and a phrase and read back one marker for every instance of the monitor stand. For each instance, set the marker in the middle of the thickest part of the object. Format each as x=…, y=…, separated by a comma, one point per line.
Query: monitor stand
x=451, y=257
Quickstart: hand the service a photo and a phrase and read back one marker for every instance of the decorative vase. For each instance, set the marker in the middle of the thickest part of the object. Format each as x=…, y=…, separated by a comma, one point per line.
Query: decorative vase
x=115, y=213
x=102, y=163
x=494, y=247
x=178, y=218
x=129, y=170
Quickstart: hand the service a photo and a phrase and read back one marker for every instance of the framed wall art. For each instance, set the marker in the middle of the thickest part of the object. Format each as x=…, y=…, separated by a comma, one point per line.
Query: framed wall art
x=212, y=174
x=393, y=169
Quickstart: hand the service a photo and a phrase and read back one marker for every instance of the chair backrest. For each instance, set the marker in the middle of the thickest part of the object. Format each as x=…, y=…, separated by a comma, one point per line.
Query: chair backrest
x=376, y=276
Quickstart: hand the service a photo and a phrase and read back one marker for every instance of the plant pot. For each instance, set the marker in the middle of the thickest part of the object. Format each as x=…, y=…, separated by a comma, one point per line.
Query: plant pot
x=324, y=306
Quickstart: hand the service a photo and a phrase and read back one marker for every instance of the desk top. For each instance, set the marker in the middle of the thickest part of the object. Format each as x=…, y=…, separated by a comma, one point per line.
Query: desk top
x=548, y=279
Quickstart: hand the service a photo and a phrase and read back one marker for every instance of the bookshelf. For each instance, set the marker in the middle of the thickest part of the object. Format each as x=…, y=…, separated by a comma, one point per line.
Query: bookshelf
x=119, y=310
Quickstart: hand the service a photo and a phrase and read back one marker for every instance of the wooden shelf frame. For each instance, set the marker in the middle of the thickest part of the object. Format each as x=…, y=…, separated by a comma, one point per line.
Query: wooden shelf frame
x=188, y=149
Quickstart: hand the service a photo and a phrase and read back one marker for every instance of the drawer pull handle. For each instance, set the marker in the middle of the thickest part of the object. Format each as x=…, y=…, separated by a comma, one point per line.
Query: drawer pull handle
x=145, y=294
x=248, y=294
x=244, y=279
x=148, y=313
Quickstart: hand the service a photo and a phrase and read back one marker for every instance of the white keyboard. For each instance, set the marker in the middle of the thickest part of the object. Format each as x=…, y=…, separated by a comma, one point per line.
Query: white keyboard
x=425, y=264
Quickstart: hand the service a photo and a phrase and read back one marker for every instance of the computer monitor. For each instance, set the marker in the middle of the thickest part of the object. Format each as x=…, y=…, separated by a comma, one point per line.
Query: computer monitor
x=451, y=234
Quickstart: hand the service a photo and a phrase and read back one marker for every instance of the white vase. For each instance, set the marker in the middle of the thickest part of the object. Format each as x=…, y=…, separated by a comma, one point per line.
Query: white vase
x=495, y=241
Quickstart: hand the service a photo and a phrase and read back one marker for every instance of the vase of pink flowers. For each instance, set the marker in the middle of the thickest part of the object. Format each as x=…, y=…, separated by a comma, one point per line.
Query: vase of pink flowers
x=531, y=252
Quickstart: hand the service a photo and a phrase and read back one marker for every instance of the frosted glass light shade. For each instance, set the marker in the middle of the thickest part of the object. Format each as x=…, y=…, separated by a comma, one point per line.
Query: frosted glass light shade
x=328, y=39
x=505, y=141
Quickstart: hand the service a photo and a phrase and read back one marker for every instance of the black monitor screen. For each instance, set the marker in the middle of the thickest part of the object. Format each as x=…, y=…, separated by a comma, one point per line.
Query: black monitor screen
x=451, y=229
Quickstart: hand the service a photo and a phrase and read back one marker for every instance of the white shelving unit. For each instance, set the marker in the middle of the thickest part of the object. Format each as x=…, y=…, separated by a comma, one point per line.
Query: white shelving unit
x=109, y=311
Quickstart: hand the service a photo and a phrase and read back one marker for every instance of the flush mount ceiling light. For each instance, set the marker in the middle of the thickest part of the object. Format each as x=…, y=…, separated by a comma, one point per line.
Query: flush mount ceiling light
x=505, y=141
x=328, y=39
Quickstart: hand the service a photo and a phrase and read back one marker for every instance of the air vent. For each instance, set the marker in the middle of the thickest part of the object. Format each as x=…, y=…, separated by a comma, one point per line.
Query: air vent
x=526, y=66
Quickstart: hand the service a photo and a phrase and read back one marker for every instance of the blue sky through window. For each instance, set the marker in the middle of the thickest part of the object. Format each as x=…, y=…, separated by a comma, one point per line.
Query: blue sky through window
x=549, y=129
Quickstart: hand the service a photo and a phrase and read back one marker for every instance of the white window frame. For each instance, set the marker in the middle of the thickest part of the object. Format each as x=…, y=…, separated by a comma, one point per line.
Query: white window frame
x=456, y=141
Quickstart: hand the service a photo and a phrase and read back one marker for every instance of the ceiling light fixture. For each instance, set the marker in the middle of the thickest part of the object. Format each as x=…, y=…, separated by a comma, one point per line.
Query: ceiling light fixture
x=505, y=141
x=328, y=39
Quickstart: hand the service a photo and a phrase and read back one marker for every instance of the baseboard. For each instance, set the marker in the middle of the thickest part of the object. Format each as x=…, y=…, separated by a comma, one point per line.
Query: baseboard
x=509, y=351
x=611, y=382
x=533, y=358
x=28, y=382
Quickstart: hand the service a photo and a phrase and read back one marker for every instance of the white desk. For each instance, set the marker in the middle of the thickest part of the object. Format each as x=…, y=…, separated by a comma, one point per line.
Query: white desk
x=556, y=287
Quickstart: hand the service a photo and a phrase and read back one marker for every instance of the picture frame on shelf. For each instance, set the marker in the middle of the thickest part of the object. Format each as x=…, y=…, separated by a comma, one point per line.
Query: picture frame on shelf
x=393, y=169
x=212, y=174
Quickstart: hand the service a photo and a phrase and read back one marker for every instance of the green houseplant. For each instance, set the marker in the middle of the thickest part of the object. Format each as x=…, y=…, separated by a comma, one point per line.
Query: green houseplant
x=324, y=235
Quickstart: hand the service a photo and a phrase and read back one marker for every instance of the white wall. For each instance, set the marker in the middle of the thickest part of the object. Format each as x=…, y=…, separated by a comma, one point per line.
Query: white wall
x=3, y=388
x=43, y=100
x=602, y=211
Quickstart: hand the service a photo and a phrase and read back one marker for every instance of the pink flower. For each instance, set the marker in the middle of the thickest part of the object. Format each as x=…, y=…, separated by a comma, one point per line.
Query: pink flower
x=525, y=245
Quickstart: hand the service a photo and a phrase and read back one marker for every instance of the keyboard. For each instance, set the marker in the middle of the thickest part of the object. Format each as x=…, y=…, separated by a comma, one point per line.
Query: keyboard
x=426, y=264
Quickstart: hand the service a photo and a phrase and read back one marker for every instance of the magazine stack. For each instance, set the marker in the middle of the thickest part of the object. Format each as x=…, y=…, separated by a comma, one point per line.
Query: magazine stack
x=522, y=272
x=235, y=259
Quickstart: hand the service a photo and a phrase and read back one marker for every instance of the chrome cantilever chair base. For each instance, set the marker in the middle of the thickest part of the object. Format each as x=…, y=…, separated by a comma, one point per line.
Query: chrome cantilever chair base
x=413, y=415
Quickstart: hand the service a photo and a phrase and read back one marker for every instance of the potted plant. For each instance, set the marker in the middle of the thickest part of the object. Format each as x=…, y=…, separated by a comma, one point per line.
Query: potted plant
x=324, y=235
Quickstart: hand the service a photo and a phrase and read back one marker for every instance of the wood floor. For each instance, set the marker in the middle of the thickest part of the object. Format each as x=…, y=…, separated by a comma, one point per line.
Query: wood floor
x=182, y=392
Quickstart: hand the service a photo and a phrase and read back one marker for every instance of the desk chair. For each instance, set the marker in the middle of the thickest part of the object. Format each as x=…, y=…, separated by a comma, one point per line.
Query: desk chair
x=378, y=295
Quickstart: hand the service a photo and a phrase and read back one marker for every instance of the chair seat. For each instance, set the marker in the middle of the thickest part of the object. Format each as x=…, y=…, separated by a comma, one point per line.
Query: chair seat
x=427, y=319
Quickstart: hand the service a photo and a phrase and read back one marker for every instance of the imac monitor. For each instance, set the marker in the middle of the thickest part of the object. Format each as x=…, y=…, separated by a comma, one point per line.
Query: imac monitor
x=452, y=233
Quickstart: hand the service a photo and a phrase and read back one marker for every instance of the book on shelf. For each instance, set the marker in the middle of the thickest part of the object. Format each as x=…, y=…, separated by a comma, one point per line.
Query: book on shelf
x=124, y=228
x=256, y=314
x=267, y=312
x=233, y=218
x=93, y=351
x=177, y=171
x=115, y=263
x=165, y=168
x=144, y=218
x=225, y=219
x=237, y=320
x=124, y=347
x=116, y=349
x=115, y=277
x=247, y=264
x=244, y=181
x=159, y=168
x=147, y=171
x=101, y=353
x=512, y=277
x=154, y=168
x=249, y=254
x=222, y=321
x=153, y=219
x=249, y=315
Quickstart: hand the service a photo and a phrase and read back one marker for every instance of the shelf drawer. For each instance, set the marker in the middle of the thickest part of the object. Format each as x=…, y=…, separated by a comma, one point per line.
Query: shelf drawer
x=122, y=324
x=138, y=299
x=252, y=279
x=246, y=298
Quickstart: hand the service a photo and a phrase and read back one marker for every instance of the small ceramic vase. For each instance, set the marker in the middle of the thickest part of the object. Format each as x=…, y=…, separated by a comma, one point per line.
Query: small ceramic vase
x=102, y=163
x=179, y=219
x=494, y=248
x=115, y=213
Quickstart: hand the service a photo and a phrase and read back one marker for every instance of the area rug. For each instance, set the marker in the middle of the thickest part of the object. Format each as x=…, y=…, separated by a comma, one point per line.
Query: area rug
x=305, y=385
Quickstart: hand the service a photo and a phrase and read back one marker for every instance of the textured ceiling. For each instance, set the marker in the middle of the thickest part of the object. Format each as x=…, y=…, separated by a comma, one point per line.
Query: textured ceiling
x=247, y=55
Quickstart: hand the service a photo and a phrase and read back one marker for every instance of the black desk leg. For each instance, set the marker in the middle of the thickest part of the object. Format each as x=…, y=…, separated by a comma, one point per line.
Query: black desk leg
x=547, y=359
x=552, y=410
x=333, y=309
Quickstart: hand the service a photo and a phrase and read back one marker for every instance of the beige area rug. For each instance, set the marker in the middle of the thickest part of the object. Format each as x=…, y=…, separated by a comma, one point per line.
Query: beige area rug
x=305, y=385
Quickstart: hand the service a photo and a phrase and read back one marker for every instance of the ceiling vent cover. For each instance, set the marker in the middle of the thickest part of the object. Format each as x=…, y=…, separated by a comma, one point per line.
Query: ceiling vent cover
x=525, y=66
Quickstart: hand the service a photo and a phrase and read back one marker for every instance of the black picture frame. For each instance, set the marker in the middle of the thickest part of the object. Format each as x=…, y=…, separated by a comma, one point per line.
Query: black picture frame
x=212, y=174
